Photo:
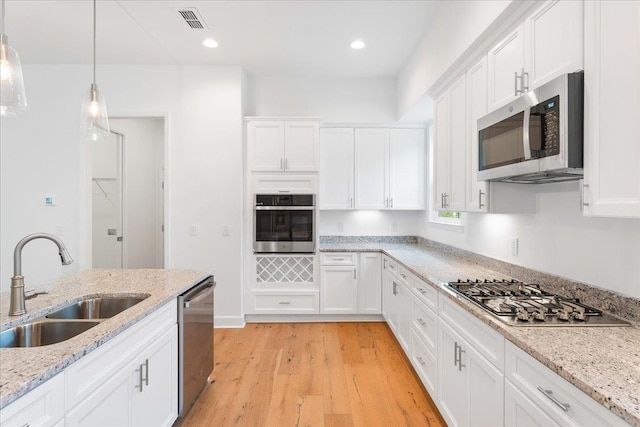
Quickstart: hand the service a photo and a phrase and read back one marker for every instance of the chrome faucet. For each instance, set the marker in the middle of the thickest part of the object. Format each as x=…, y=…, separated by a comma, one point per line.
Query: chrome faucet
x=17, y=305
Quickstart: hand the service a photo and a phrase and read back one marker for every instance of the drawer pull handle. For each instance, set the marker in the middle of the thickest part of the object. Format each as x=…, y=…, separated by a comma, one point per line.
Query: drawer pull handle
x=422, y=291
x=422, y=362
x=404, y=276
x=422, y=322
x=284, y=302
x=549, y=394
x=338, y=259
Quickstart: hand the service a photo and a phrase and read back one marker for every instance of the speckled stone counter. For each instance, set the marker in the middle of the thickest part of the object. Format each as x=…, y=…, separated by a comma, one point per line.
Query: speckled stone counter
x=22, y=369
x=603, y=362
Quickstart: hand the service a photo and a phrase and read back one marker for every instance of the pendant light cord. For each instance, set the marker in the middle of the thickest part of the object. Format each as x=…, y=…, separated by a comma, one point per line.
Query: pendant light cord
x=94, y=41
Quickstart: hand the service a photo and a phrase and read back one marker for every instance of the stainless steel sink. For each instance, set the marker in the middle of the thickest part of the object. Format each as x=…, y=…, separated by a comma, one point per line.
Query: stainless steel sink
x=43, y=332
x=96, y=308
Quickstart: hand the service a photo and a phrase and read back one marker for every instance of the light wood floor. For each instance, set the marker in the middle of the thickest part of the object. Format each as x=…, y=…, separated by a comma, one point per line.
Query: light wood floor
x=312, y=374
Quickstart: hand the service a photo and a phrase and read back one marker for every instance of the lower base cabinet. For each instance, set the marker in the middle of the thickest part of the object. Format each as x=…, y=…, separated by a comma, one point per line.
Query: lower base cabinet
x=520, y=411
x=41, y=407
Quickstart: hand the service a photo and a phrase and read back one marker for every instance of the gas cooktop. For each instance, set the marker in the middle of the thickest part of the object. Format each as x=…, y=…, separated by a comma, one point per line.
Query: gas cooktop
x=522, y=304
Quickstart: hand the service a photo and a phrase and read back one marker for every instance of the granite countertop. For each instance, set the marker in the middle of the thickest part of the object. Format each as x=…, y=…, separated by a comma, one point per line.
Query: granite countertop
x=609, y=373
x=23, y=369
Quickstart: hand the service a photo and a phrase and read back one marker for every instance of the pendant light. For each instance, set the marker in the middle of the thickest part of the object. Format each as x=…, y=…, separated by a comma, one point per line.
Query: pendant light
x=13, y=99
x=95, y=121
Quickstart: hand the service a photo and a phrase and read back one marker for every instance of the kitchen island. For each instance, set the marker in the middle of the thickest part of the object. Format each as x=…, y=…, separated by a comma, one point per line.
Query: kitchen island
x=602, y=362
x=23, y=369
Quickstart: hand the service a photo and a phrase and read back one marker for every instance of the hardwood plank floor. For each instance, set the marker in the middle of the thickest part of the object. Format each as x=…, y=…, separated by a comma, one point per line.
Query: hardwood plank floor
x=312, y=374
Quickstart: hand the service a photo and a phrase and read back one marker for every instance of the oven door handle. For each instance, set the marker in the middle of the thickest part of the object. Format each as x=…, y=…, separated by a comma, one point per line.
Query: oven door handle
x=199, y=296
x=284, y=208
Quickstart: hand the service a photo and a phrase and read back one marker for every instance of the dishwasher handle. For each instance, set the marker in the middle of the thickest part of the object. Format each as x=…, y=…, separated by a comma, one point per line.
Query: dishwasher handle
x=199, y=296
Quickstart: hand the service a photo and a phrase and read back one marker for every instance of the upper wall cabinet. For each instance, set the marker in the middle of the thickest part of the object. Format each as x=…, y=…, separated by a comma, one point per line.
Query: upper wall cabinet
x=548, y=44
x=283, y=146
x=477, y=198
x=450, y=111
x=372, y=168
x=612, y=108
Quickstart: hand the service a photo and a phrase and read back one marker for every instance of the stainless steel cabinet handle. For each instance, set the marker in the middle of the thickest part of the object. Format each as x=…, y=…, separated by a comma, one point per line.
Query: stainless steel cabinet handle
x=140, y=378
x=422, y=362
x=384, y=263
x=517, y=91
x=480, y=194
x=284, y=302
x=354, y=273
x=351, y=202
x=460, y=364
x=338, y=259
x=455, y=353
x=146, y=372
x=422, y=322
x=582, y=198
x=404, y=276
x=515, y=84
x=395, y=291
x=549, y=394
x=392, y=202
x=422, y=291
x=442, y=200
x=525, y=86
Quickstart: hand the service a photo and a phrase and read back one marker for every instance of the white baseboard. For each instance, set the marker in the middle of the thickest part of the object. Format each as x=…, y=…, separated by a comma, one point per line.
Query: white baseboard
x=298, y=318
x=228, y=322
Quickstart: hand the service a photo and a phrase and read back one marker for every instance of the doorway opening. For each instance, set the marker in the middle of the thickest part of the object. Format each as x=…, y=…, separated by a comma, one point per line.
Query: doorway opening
x=127, y=195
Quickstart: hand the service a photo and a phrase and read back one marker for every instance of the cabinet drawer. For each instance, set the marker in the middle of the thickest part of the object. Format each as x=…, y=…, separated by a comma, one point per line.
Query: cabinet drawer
x=87, y=374
x=338, y=258
x=520, y=411
x=276, y=303
x=403, y=274
x=426, y=293
x=425, y=322
x=543, y=386
x=485, y=340
x=424, y=362
x=41, y=407
x=389, y=265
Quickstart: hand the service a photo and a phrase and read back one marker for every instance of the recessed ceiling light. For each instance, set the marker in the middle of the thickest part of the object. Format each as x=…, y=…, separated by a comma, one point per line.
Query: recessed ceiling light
x=357, y=44
x=210, y=43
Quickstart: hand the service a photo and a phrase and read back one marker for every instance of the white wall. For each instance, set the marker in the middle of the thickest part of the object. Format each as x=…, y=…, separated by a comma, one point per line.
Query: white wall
x=334, y=99
x=41, y=153
x=457, y=25
x=369, y=223
x=557, y=239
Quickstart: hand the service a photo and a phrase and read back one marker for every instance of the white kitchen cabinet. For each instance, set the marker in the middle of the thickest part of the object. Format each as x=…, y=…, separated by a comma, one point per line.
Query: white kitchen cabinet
x=612, y=108
x=505, y=64
x=369, y=283
x=520, y=411
x=399, y=311
x=477, y=199
x=351, y=283
x=425, y=363
x=471, y=389
x=547, y=44
x=338, y=289
x=371, y=168
x=41, y=407
x=283, y=146
x=451, y=147
x=336, y=168
x=407, y=159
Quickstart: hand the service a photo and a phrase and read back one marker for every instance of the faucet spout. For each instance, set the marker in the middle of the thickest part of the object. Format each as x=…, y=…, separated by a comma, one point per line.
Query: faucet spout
x=17, y=301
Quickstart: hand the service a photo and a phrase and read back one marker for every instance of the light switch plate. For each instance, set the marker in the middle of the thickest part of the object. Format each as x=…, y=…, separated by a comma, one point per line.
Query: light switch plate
x=193, y=230
x=514, y=246
x=226, y=230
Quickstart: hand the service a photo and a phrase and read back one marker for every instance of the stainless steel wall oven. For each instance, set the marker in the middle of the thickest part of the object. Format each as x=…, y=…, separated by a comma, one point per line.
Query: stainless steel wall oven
x=284, y=223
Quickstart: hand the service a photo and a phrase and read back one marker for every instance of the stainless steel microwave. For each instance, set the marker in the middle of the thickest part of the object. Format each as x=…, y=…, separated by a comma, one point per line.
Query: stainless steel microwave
x=538, y=137
x=284, y=223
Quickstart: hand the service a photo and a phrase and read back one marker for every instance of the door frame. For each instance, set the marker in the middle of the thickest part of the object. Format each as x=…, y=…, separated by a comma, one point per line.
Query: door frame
x=85, y=214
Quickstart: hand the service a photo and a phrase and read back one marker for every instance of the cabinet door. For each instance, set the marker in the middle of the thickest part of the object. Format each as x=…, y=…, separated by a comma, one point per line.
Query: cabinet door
x=520, y=411
x=485, y=389
x=451, y=381
x=612, y=108
x=338, y=289
x=477, y=197
x=370, y=283
x=387, y=291
x=41, y=407
x=406, y=168
x=455, y=195
x=403, y=316
x=441, y=149
x=505, y=60
x=336, y=168
x=371, y=168
x=155, y=395
x=265, y=146
x=301, y=146
x=554, y=41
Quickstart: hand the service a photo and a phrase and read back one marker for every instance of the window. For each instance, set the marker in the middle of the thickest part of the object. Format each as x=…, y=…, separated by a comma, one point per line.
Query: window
x=438, y=217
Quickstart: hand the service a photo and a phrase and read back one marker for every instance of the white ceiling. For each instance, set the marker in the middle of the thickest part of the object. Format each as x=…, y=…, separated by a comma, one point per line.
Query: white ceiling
x=308, y=38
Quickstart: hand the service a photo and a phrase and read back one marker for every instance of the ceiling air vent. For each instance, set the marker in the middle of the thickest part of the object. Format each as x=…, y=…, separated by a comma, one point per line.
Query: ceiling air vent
x=193, y=18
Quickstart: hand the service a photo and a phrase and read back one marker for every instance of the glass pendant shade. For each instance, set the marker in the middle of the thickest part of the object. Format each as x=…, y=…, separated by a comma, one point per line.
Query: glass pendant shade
x=95, y=121
x=13, y=99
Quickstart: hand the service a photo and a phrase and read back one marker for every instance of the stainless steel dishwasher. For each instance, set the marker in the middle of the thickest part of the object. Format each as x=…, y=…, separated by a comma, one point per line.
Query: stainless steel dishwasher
x=195, y=342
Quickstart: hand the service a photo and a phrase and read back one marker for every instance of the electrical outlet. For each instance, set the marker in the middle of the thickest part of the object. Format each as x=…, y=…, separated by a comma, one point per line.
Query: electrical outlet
x=193, y=230
x=340, y=227
x=394, y=226
x=226, y=230
x=514, y=246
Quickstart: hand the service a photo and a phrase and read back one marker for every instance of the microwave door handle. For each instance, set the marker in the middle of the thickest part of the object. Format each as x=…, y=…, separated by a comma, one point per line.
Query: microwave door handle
x=525, y=133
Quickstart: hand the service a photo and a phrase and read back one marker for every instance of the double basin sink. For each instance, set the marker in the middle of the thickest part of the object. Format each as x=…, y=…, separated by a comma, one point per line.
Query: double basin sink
x=67, y=322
